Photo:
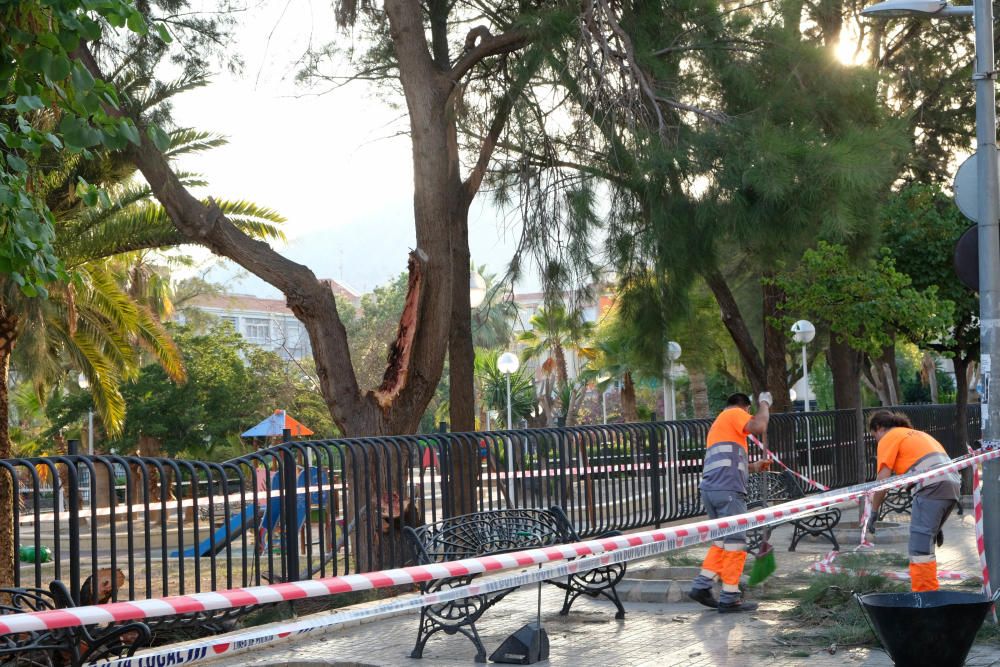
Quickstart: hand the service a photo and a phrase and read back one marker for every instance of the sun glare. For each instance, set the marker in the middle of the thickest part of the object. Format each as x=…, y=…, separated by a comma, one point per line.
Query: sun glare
x=847, y=51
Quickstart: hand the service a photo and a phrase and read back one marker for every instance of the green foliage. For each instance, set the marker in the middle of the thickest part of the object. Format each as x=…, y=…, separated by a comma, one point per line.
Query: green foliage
x=372, y=329
x=809, y=153
x=921, y=226
x=914, y=385
x=865, y=303
x=231, y=385
x=493, y=388
x=493, y=319
x=51, y=105
x=821, y=383
x=552, y=331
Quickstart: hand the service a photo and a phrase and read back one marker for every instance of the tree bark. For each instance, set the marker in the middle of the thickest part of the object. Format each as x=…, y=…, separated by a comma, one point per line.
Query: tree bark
x=962, y=435
x=8, y=484
x=845, y=366
x=929, y=368
x=737, y=327
x=699, y=389
x=629, y=411
x=775, y=344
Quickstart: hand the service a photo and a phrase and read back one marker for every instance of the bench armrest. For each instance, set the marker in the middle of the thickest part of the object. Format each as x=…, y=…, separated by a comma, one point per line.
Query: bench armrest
x=417, y=545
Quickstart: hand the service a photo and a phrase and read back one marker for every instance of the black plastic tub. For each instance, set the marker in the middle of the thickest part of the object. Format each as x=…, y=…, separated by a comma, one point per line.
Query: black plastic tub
x=934, y=628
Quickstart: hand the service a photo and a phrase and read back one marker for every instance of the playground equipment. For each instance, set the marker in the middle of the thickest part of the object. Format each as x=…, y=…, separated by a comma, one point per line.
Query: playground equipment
x=270, y=525
x=236, y=525
x=319, y=497
x=933, y=628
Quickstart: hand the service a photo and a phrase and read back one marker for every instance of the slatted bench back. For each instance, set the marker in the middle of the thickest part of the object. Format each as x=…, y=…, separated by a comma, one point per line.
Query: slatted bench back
x=487, y=533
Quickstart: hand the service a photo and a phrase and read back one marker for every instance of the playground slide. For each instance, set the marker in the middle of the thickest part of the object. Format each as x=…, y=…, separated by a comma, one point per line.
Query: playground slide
x=237, y=523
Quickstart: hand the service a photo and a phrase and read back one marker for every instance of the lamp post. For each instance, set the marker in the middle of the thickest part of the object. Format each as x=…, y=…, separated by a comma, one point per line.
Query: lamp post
x=602, y=379
x=673, y=354
x=85, y=385
x=508, y=363
x=803, y=332
x=989, y=240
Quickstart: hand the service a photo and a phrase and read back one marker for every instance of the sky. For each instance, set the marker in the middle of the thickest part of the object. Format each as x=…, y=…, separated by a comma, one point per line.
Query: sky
x=334, y=164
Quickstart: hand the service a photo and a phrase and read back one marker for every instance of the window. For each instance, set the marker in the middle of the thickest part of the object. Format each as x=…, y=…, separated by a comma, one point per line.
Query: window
x=257, y=329
x=232, y=320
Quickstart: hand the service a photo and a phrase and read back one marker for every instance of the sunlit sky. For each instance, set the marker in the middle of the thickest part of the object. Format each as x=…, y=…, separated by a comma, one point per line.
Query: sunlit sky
x=333, y=164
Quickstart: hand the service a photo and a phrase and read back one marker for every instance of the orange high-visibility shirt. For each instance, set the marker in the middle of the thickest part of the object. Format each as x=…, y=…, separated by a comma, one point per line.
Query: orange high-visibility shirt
x=729, y=426
x=901, y=447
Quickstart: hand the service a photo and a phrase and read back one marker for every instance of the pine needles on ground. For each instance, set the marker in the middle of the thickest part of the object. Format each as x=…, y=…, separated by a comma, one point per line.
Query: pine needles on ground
x=827, y=612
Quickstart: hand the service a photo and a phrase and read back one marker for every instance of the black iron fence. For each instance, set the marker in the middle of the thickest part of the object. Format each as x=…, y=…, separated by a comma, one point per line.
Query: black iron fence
x=327, y=507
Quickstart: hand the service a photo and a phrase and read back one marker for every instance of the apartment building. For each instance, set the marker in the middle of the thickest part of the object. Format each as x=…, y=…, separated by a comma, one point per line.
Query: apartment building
x=268, y=323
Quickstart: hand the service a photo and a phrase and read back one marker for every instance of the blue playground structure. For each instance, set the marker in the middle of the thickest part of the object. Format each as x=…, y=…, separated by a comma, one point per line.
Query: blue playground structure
x=270, y=515
x=223, y=535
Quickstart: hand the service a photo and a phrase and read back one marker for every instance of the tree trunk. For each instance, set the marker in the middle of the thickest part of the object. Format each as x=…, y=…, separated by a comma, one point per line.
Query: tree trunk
x=737, y=327
x=962, y=435
x=845, y=366
x=699, y=389
x=928, y=366
x=8, y=553
x=776, y=373
x=440, y=203
x=629, y=411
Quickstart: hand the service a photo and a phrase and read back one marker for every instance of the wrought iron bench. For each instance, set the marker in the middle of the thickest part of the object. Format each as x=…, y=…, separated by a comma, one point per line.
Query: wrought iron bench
x=66, y=646
x=899, y=501
x=765, y=487
x=490, y=533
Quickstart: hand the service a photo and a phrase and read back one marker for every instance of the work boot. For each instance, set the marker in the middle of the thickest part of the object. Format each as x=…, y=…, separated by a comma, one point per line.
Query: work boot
x=703, y=596
x=736, y=605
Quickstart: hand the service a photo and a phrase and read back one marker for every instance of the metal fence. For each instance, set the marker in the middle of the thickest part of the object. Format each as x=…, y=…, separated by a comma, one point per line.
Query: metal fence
x=320, y=508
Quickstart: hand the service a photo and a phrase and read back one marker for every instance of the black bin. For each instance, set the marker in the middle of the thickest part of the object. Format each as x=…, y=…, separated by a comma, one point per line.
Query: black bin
x=934, y=628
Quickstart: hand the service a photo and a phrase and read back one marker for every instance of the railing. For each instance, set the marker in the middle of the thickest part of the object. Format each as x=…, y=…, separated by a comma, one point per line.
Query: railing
x=320, y=508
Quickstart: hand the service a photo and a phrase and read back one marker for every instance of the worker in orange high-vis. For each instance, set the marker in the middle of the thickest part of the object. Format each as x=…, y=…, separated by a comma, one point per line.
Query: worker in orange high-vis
x=901, y=449
x=724, y=493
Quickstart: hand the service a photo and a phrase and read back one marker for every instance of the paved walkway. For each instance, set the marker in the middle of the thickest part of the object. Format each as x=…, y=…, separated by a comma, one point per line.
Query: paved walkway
x=654, y=633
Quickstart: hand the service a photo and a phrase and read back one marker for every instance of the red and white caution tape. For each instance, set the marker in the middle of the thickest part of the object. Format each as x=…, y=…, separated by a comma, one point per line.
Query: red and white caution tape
x=866, y=515
x=774, y=457
x=664, y=539
x=827, y=566
x=977, y=512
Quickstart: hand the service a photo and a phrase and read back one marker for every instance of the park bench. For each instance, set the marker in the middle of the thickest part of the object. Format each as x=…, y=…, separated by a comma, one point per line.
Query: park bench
x=65, y=646
x=899, y=501
x=763, y=488
x=490, y=533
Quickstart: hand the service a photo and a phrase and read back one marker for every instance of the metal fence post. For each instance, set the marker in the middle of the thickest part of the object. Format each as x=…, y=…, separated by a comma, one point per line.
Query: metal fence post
x=73, y=498
x=657, y=470
x=289, y=501
x=862, y=450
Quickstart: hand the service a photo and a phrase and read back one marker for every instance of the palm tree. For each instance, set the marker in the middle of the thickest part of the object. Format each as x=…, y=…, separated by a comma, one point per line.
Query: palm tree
x=89, y=320
x=554, y=330
x=492, y=320
x=492, y=385
x=614, y=361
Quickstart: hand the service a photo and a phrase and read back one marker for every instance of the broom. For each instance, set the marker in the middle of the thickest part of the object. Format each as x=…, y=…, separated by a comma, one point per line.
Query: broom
x=764, y=564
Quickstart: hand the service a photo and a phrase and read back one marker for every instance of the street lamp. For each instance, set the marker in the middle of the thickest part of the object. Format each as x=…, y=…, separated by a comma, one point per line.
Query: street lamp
x=989, y=238
x=601, y=379
x=85, y=385
x=803, y=332
x=673, y=354
x=508, y=363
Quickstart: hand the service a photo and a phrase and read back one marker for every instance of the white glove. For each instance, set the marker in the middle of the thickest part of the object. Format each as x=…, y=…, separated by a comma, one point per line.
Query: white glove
x=765, y=397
